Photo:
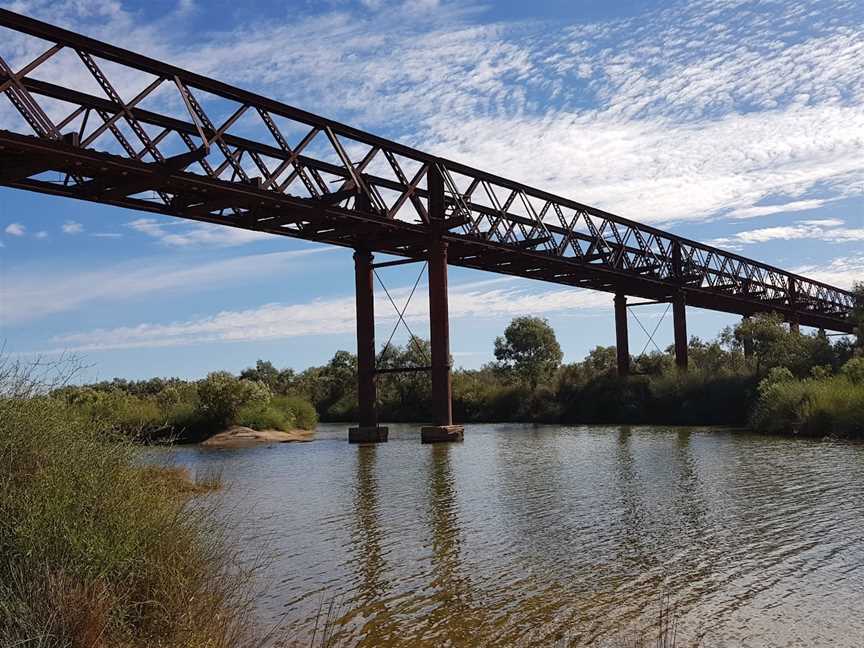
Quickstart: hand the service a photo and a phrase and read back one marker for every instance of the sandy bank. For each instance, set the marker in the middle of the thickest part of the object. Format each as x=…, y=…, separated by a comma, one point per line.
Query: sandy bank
x=239, y=437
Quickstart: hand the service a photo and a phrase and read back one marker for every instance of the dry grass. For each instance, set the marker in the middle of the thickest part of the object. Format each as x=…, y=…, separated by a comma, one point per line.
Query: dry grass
x=97, y=550
x=177, y=479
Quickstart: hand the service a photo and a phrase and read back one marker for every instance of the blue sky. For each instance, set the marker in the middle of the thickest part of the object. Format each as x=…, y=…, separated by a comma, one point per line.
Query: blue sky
x=733, y=122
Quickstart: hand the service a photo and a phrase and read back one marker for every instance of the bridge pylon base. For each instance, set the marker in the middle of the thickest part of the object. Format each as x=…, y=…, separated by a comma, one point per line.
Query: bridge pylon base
x=368, y=434
x=442, y=433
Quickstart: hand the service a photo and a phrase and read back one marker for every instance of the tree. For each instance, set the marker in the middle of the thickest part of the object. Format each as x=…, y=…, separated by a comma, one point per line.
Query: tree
x=279, y=382
x=222, y=395
x=858, y=315
x=601, y=360
x=530, y=349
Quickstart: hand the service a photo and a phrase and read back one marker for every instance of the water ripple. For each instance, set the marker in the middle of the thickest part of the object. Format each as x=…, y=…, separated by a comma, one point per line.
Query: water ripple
x=530, y=536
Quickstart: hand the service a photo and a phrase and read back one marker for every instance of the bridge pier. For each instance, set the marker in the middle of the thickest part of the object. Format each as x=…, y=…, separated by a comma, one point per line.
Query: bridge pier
x=439, y=321
x=748, y=341
x=679, y=320
x=367, y=430
x=622, y=343
x=793, y=319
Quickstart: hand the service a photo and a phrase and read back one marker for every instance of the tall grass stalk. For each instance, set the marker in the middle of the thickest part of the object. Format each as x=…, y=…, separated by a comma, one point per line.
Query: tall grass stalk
x=97, y=550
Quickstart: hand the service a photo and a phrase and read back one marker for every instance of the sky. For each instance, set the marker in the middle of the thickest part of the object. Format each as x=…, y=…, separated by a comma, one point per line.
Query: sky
x=737, y=123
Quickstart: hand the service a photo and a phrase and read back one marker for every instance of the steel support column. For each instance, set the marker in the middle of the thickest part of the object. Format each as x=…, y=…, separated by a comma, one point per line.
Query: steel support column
x=679, y=317
x=793, y=319
x=747, y=341
x=622, y=343
x=368, y=430
x=439, y=323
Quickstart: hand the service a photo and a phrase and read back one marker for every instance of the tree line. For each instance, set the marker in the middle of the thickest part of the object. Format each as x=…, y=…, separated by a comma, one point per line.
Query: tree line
x=727, y=383
x=759, y=372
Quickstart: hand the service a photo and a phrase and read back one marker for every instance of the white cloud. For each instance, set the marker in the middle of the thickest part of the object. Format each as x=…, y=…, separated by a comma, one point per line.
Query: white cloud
x=829, y=229
x=196, y=235
x=843, y=272
x=15, y=229
x=767, y=210
x=28, y=295
x=42, y=234
x=484, y=299
x=107, y=235
x=71, y=227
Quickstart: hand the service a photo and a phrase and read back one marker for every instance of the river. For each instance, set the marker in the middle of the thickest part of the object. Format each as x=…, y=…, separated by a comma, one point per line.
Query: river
x=549, y=535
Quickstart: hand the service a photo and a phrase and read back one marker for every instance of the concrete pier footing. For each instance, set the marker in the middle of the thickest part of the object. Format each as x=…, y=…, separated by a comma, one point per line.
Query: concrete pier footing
x=442, y=433
x=367, y=434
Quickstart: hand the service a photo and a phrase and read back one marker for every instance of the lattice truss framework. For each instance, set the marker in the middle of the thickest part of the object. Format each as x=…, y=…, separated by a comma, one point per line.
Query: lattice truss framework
x=91, y=121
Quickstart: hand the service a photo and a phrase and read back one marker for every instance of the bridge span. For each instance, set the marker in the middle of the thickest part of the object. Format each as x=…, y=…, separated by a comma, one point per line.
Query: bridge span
x=146, y=135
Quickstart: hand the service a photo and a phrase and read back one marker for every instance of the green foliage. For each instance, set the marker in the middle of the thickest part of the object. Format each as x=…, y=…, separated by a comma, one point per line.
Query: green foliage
x=279, y=413
x=279, y=382
x=261, y=415
x=302, y=411
x=776, y=375
x=854, y=371
x=530, y=349
x=527, y=383
x=831, y=406
x=222, y=395
x=858, y=315
x=186, y=410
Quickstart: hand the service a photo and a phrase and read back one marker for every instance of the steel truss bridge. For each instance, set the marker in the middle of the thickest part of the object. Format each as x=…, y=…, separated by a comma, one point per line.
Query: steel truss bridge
x=184, y=145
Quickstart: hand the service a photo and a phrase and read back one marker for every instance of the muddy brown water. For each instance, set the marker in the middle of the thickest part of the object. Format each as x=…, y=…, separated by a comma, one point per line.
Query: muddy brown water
x=550, y=535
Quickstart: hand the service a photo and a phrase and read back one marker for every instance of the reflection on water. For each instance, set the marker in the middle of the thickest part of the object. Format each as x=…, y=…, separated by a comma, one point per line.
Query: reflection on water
x=526, y=535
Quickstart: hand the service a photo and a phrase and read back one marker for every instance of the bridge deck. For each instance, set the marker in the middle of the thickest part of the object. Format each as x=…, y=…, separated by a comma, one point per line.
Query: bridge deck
x=273, y=168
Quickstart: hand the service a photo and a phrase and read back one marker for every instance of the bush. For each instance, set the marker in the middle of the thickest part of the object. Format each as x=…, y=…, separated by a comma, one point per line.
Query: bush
x=221, y=396
x=815, y=407
x=303, y=413
x=137, y=416
x=264, y=416
x=854, y=371
x=96, y=550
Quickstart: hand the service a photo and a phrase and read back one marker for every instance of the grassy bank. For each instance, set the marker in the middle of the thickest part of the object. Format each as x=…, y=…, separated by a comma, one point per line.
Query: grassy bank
x=187, y=410
x=96, y=550
x=830, y=405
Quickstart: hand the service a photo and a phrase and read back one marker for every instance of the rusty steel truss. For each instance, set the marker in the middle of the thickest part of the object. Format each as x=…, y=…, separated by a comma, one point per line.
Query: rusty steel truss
x=145, y=135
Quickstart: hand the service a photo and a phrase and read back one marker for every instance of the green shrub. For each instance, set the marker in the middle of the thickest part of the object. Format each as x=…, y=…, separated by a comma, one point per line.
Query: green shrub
x=264, y=416
x=854, y=370
x=815, y=407
x=221, y=395
x=303, y=413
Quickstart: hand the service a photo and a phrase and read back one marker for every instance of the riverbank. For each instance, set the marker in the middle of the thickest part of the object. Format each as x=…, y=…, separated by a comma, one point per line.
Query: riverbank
x=98, y=550
x=180, y=411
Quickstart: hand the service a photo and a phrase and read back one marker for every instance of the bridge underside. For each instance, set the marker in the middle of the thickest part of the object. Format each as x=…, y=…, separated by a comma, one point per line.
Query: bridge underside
x=27, y=163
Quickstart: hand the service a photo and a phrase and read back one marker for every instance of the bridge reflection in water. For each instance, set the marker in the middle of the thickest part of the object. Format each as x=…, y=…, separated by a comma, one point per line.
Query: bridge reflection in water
x=522, y=535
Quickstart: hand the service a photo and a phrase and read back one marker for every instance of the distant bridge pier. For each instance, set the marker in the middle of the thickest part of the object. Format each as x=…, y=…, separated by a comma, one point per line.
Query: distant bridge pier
x=622, y=343
x=747, y=341
x=793, y=319
x=367, y=430
x=679, y=322
x=439, y=321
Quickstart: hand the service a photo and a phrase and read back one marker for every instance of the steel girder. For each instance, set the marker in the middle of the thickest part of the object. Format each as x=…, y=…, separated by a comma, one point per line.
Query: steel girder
x=193, y=147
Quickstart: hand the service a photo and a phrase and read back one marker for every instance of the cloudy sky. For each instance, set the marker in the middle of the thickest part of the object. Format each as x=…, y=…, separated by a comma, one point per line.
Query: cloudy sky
x=733, y=122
